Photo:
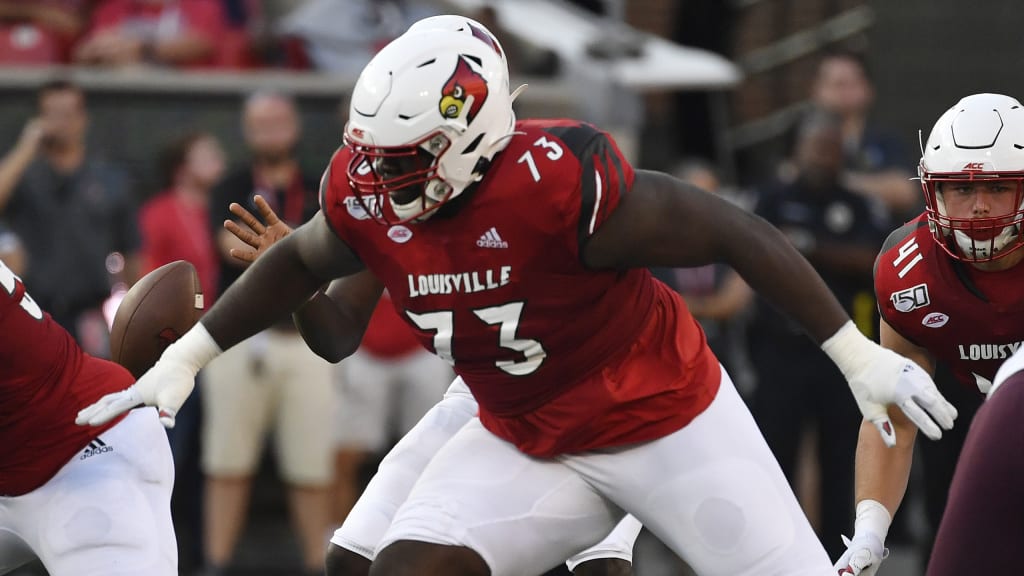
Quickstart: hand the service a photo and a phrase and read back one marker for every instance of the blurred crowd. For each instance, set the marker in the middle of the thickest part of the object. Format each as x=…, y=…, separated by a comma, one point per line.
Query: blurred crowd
x=325, y=35
x=74, y=225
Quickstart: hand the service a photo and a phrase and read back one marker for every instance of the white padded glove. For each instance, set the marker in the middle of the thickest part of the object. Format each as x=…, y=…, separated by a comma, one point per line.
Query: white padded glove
x=166, y=385
x=864, y=554
x=878, y=377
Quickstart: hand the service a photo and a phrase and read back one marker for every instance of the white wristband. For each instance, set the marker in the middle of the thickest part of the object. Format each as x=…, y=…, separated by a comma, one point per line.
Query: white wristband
x=873, y=518
x=849, y=349
x=194, y=349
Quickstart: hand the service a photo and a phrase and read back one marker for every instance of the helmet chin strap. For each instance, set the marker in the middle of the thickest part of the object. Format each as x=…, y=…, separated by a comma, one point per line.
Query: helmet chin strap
x=418, y=210
x=979, y=250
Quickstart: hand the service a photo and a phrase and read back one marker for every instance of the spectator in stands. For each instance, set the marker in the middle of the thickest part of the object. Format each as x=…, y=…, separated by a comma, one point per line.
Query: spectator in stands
x=178, y=33
x=74, y=212
x=340, y=36
x=876, y=163
x=39, y=31
x=840, y=234
x=175, y=225
x=271, y=380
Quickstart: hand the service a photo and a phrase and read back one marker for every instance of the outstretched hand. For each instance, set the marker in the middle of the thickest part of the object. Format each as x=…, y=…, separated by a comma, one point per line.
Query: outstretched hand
x=259, y=235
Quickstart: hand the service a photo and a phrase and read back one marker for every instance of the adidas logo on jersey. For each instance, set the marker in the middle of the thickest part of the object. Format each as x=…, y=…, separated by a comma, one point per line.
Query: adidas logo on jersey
x=97, y=446
x=490, y=239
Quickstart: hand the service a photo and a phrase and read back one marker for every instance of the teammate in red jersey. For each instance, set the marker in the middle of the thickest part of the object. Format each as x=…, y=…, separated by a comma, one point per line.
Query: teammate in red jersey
x=518, y=252
x=333, y=325
x=983, y=526
x=948, y=284
x=90, y=501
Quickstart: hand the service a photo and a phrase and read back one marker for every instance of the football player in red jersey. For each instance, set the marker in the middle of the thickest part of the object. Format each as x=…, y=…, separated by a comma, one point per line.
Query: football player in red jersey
x=518, y=251
x=332, y=324
x=948, y=286
x=983, y=526
x=90, y=501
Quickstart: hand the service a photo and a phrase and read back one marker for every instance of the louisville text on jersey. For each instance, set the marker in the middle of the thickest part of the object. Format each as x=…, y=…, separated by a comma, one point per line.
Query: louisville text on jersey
x=988, y=351
x=460, y=282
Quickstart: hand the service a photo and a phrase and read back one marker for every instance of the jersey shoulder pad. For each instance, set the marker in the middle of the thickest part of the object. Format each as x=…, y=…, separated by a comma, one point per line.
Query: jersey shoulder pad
x=897, y=237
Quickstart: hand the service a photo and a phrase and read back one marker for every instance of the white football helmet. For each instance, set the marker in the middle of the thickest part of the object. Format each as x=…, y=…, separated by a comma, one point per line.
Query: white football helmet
x=981, y=137
x=427, y=115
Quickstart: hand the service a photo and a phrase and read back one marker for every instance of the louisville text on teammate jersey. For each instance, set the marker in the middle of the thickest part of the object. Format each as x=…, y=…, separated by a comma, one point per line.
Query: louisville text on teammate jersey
x=988, y=351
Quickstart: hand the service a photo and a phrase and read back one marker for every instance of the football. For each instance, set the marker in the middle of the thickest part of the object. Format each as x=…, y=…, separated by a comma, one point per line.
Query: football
x=158, y=309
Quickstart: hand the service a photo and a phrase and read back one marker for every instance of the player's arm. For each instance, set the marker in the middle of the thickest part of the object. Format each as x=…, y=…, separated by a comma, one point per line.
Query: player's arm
x=662, y=221
x=882, y=473
x=333, y=322
x=279, y=282
x=276, y=284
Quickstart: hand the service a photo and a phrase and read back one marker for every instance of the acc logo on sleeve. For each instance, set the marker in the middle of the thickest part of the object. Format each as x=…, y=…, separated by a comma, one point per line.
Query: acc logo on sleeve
x=935, y=320
x=910, y=299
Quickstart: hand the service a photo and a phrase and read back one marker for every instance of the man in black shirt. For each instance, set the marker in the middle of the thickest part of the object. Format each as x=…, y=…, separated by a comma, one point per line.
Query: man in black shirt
x=839, y=232
x=74, y=212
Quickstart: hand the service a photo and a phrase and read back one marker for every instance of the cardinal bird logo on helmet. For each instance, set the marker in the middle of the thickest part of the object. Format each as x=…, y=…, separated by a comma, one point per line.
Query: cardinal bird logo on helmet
x=464, y=87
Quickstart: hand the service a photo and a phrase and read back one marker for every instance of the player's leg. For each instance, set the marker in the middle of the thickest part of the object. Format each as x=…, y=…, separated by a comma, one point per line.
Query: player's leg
x=604, y=567
x=354, y=543
x=236, y=406
x=481, y=507
x=612, y=556
x=304, y=442
x=424, y=378
x=108, y=511
x=713, y=492
x=940, y=457
x=14, y=551
x=364, y=389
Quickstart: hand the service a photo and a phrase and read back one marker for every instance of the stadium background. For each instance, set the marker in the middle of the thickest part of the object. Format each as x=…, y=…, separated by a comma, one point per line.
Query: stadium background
x=923, y=56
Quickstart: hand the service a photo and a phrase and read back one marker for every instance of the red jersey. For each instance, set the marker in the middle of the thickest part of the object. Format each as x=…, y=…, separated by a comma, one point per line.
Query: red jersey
x=45, y=379
x=560, y=358
x=934, y=301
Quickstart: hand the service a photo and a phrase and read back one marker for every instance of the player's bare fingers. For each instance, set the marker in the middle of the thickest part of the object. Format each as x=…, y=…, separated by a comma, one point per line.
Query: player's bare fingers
x=268, y=214
x=242, y=234
x=248, y=256
x=247, y=217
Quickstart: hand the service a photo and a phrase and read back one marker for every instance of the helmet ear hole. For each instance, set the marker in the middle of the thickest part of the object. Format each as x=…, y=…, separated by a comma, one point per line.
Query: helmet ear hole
x=472, y=145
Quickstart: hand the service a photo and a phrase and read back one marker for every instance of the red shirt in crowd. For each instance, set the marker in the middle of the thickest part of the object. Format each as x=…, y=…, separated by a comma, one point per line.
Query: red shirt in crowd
x=175, y=229
x=157, y=20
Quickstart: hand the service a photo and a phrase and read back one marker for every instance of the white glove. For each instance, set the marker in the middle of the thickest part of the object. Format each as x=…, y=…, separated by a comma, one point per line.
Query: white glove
x=878, y=377
x=864, y=554
x=166, y=385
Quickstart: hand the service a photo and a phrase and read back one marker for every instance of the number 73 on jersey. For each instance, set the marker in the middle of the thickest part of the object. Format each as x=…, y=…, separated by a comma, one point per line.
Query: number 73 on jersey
x=505, y=316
